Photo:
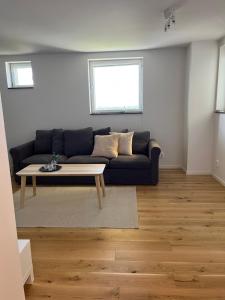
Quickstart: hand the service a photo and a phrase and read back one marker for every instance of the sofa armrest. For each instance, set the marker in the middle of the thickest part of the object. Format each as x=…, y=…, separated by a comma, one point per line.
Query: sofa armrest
x=154, y=151
x=21, y=152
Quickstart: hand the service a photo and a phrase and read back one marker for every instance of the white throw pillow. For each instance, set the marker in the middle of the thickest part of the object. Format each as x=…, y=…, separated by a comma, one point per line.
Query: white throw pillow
x=125, y=142
x=106, y=145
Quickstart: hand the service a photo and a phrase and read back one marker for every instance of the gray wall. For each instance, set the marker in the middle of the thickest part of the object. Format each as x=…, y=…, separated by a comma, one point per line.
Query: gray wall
x=60, y=98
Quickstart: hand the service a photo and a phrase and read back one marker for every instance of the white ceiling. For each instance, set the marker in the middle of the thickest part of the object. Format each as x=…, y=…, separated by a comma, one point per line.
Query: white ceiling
x=29, y=26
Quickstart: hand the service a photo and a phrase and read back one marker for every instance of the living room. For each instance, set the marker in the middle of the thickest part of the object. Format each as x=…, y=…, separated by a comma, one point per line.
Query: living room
x=112, y=149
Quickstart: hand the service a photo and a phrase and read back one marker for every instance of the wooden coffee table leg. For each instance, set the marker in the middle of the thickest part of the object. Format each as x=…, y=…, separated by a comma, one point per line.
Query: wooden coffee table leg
x=34, y=185
x=102, y=184
x=98, y=187
x=22, y=191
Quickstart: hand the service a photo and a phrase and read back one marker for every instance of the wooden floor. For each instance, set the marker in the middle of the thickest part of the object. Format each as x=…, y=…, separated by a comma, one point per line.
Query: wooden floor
x=177, y=253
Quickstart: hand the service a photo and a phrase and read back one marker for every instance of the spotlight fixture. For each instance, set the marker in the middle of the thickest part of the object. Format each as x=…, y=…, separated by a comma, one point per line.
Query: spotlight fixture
x=169, y=18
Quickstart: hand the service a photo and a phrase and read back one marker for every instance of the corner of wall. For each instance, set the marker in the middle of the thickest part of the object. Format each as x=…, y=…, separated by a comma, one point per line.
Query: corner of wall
x=200, y=104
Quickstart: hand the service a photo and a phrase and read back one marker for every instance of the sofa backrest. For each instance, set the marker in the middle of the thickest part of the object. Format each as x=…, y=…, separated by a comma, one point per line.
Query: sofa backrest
x=58, y=141
x=102, y=131
x=43, y=142
x=81, y=141
x=140, y=142
x=78, y=142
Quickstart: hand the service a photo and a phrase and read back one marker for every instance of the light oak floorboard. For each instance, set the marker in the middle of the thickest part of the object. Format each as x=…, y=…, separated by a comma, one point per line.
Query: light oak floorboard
x=178, y=253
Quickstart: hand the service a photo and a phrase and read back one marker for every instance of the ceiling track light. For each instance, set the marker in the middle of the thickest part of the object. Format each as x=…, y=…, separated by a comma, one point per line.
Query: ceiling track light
x=169, y=18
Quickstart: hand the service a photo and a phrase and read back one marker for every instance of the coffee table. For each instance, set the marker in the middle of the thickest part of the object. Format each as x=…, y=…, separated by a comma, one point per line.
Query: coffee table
x=95, y=170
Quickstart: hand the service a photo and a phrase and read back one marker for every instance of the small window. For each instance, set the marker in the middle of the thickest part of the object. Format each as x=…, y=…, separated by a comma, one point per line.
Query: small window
x=19, y=74
x=115, y=86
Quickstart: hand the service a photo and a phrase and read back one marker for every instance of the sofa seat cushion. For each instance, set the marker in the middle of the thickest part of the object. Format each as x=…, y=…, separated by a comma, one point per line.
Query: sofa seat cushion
x=42, y=159
x=87, y=159
x=135, y=161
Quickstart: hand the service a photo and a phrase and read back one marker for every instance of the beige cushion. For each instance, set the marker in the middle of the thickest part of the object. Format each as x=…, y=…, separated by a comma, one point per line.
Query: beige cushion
x=125, y=142
x=106, y=145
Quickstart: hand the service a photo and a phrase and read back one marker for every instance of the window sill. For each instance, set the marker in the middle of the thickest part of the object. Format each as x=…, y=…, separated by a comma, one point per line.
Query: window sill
x=220, y=111
x=20, y=87
x=116, y=113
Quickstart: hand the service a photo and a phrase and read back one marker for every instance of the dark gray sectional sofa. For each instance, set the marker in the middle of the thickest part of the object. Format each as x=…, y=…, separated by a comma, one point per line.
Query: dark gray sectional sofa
x=75, y=147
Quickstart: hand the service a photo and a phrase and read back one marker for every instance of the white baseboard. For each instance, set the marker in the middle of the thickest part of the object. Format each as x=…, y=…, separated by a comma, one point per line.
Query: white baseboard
x=188, y=172
x=184, y=169
x=170, y=167
x=196, y=172
x=220, y=180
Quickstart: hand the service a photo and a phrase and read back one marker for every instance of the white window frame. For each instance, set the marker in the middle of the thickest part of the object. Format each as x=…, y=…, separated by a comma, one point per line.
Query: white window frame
x=114, y=62
x=220, y=93
x=10, y=76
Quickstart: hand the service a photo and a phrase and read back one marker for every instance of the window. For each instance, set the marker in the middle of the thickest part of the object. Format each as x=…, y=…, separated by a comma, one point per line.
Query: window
x=115, y=86
x=19, y=74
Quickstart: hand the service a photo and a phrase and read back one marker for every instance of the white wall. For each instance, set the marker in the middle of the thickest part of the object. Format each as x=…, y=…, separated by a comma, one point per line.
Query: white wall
x=185, y=121
x=200, y=106
x=10, y=275
x=219, y=143
x=60, y=98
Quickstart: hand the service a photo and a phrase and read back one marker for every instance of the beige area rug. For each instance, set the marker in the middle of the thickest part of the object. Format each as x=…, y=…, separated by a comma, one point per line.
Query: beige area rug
x=78, y=207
